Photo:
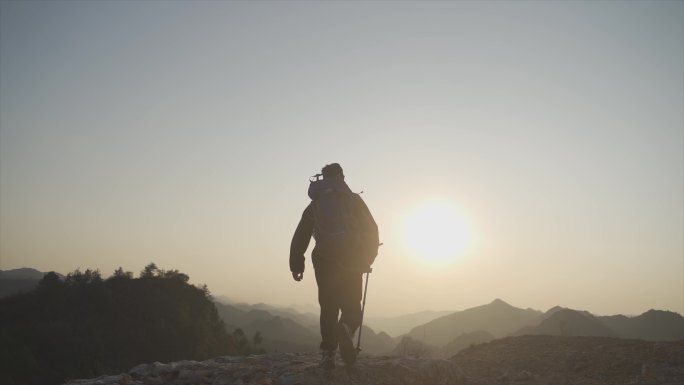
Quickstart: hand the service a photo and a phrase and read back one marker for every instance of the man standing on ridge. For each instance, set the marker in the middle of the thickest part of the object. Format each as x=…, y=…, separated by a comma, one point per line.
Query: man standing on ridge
x=346, y=245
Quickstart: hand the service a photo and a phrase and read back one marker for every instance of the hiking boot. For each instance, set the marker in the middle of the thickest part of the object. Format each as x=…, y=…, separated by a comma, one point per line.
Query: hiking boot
x=327, y=360
x=344, y=339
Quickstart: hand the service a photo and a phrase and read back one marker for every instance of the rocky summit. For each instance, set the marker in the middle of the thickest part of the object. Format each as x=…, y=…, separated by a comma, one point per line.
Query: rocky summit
x=286, y=369
x=527, y=360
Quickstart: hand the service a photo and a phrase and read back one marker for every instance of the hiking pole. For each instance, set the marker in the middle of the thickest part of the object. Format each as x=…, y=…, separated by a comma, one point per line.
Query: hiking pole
x=363, y=308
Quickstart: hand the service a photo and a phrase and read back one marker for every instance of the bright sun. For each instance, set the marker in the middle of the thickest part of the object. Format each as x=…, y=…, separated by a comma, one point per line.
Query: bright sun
x=436, y=233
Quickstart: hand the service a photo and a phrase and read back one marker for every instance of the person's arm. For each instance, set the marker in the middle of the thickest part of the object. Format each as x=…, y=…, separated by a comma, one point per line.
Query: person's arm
x=300, y=242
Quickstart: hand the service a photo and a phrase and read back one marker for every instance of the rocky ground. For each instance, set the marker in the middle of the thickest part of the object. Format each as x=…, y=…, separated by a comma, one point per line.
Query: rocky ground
x=573, y=360
x=517, y=360
x=285, y=369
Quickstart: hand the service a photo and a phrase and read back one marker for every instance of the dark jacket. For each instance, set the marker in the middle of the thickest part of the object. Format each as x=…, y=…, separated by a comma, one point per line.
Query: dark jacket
x=305, y=230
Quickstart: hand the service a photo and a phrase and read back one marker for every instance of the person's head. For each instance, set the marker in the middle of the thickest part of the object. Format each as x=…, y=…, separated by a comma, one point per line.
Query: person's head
x=333, y=170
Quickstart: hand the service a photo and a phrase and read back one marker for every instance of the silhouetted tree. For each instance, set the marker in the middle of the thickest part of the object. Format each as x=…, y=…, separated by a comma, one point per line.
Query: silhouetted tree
x=50, y=281
x=173, y=274
x=120, y=273
x=79, y=278
x=149, y=271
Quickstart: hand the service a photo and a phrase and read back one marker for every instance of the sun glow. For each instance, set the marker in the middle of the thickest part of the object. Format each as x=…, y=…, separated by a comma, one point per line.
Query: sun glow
x=436, y=233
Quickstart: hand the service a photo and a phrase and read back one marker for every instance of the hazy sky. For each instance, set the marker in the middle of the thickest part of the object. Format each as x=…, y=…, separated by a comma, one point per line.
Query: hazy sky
x=184, y=133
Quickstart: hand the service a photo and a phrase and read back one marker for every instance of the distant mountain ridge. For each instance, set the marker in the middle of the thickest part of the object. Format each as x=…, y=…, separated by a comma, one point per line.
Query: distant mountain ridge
x=451, y=333
x=285, y=329
x=496, y=318
x=22, y=273
x=653, y=325
x=304, y=318
x=568, y=322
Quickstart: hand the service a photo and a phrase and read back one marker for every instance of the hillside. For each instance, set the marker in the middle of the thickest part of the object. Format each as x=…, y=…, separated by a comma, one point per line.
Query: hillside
x=465, y=340
x=410, y=347
x=85, y=325
x=654, y=325
x=573, y=360
x=515, y=360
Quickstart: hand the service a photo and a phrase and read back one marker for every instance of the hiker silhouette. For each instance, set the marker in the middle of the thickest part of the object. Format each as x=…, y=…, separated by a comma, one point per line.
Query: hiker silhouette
x=346, y=245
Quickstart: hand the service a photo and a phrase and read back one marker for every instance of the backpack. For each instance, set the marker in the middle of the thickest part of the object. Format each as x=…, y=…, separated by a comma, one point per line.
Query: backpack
x=344, y=229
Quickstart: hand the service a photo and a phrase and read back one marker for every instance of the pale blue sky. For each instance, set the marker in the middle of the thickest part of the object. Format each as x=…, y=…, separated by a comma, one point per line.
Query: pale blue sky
x=184, y=133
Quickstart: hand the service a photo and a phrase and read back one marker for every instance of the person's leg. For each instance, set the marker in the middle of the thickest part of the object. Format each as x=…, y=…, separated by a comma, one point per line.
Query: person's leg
x=350, y=291
x=328, y=300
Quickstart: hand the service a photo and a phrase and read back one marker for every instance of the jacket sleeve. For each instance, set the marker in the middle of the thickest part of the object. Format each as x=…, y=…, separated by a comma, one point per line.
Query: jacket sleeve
x=300, y=241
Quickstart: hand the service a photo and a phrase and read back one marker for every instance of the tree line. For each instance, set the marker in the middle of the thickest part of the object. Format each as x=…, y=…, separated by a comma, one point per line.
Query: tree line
x=84, y=326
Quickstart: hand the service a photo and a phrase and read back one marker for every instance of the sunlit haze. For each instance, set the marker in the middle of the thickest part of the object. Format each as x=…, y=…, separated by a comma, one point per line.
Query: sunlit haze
x=524, y=150
x=436, y=233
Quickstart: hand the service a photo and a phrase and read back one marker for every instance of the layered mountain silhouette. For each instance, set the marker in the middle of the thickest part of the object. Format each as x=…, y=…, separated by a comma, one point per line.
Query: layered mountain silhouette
x=83, y=324
x=496, y=318
x=653, y=325
x=306, y=318
x=449, y=334
x=428, y=333
x=287, y=330
x=278, y=333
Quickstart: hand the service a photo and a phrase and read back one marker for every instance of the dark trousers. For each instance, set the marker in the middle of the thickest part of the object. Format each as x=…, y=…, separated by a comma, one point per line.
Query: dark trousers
x=338, y=291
